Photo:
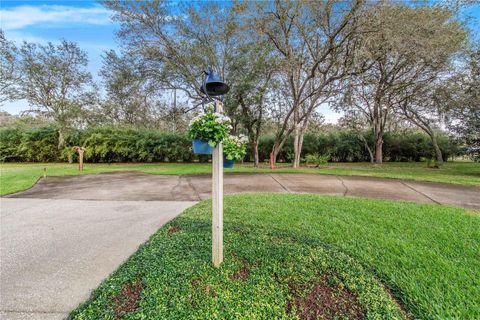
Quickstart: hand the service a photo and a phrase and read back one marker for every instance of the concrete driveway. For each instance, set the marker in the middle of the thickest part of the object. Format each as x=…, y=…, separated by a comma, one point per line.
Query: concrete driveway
x=140, y=186
x=63, y=236
x=54, y=252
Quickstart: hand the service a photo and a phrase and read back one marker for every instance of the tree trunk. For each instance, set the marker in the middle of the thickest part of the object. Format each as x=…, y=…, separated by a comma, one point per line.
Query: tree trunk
x=297, y=140
x=256, y=160
x=378, y=132
x=296, y=150
x=273, y=157
x=438, y=152
x=298, y=144
x=378, y=149
x=370, y=153
x=61, y=139
x=274, y=154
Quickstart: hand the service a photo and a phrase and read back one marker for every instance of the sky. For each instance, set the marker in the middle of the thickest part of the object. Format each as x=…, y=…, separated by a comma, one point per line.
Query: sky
x=88, y=23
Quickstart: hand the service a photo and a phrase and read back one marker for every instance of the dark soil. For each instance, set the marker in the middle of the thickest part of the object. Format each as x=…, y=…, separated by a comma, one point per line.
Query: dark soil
x=322, y=300
x=174, y=229
x=127, y=300
x=243, y=273
x=195, y=283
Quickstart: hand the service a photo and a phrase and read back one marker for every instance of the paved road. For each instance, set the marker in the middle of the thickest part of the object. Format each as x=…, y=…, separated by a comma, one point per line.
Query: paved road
x=63, y=236
x=141, y=186
x=54, y=252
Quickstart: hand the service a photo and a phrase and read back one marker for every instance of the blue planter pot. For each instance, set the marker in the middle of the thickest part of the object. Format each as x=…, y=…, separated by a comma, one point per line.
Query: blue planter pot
x=201, y=147
x=228, y=164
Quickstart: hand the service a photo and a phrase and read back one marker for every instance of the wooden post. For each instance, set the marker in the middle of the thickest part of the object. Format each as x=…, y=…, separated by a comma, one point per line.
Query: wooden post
x=217, y=200
x=80, y=151
x=80, y=159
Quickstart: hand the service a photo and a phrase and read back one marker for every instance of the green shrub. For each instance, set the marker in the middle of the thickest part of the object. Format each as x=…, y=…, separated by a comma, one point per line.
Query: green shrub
x=29, y=144
x=113, y=144
x=317, y=159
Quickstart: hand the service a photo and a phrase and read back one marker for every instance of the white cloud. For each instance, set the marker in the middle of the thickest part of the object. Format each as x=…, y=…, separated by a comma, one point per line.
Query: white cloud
x=20, y=36
x=24, y=16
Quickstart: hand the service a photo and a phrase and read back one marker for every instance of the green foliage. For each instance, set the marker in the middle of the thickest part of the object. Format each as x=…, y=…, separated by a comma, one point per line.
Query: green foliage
x=103, y=144
x=278, y=241
x=10, y=139
x=68, y=154
x=108, y=144
x=29, y=144
x=345, y=146
x=317, y=159
x=235, y=148
x=114, y=144
x=211, y=127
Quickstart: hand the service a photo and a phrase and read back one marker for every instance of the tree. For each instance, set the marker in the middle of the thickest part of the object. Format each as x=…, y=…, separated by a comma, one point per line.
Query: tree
x=408, y=47
x=423, y=109
x=460, y=98
x=55, y=82
x=251, y=71
x=130, y=96
x=176, y=49
x=8, y=69
x=316, y=42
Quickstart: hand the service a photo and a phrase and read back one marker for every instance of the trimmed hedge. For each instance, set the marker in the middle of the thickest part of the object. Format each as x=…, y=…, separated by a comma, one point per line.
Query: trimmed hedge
x=111, y=144
x=345, y=146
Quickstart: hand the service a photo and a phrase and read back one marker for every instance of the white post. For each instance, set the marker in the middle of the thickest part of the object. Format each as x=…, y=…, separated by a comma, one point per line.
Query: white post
x=217, y=200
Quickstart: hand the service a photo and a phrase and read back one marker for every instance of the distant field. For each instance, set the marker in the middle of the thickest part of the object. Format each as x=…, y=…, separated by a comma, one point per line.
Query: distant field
x=20, y=176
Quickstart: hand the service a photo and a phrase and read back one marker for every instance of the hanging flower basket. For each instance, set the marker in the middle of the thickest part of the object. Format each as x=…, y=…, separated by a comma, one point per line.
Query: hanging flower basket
x=234, y=148
x=208, y=129
x=201, y=147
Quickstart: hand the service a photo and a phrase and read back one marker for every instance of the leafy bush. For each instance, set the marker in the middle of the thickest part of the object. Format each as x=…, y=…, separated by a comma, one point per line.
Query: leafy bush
x=29, y=144
x=10, y=139
x=114, y=144
x=103, y=144
x=317, y=159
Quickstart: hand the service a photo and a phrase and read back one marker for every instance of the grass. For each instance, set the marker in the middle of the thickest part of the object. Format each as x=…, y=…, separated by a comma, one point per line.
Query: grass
x=373, y=255
x=16, y=177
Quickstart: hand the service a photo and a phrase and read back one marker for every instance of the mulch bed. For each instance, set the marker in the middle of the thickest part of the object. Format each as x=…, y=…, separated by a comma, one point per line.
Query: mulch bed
x=322, y=300
x=127, y=300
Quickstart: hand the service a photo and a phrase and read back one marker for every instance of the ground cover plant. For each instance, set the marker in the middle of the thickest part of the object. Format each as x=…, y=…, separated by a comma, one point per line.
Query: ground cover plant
x=16, y=177
x=302, y=256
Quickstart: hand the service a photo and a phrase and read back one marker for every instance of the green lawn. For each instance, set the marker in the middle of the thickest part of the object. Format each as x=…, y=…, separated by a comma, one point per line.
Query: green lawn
x=20, y=176
x=302, y=255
